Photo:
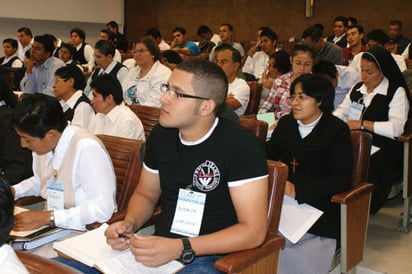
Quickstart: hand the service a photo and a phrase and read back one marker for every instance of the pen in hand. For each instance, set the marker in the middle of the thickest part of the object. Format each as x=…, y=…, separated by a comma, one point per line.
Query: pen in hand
x=124, y=236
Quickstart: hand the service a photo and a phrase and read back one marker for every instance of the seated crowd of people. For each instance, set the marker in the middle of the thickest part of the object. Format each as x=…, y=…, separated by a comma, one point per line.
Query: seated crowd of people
x=318, y=91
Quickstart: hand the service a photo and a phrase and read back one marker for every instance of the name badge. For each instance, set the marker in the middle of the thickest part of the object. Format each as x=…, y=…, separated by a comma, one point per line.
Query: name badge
x=189, y=213
x=355, y=112
x=55, y=195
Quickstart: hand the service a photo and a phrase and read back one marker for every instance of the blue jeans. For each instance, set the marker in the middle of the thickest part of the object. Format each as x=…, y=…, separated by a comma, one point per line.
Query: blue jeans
x=201, y=265
x=77, y=265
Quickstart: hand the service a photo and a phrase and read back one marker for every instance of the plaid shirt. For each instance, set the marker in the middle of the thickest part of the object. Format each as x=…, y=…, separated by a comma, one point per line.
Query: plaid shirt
x=276, y=100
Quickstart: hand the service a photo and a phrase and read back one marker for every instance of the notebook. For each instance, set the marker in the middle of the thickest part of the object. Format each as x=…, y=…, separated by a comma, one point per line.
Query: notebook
x=91, y=249
x=25, y=233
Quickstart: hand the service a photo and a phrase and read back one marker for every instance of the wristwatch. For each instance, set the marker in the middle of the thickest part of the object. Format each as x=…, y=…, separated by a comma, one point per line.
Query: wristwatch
x=188, y=254
x=52, y=220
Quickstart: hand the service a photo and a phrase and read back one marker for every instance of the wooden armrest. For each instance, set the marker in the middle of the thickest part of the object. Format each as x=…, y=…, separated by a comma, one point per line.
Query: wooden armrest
x=249, y=116
x=237, y=261
x=37, y=264
x=352, y=194
x=29, y=200
x=405, y=137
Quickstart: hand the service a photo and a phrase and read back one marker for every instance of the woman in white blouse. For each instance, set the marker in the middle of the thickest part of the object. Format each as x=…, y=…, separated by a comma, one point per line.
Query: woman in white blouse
x=379, y=104
x=143, y=83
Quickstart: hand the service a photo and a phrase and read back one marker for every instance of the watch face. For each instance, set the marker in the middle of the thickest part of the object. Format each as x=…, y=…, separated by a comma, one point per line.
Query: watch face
x=187, y=256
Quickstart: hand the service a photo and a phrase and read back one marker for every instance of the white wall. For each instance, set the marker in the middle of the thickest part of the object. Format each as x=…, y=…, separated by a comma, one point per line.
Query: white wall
x=58, y=17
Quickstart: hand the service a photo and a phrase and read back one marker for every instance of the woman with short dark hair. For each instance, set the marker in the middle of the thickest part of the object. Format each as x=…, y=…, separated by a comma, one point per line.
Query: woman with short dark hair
x=317, y=148
x=143, y=83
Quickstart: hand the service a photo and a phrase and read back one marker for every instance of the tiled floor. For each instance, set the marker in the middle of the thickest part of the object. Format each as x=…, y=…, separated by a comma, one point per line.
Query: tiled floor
x=387, y=249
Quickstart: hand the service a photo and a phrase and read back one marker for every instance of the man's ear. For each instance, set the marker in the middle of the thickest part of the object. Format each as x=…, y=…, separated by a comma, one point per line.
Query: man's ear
x=109, y=98
x=207, y=107
x=71, y=81
x=237, y=67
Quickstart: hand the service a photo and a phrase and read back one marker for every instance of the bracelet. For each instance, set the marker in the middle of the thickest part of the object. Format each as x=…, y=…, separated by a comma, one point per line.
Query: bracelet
x=52, y=223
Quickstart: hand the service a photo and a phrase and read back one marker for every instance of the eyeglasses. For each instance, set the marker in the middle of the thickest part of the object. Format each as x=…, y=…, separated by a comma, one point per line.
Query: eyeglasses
x=174, y=94
x=140, y=50
x=300, y=97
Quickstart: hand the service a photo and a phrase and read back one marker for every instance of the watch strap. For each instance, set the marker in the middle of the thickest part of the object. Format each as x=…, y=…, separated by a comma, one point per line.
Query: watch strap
x=188, y=254
x=186, y=244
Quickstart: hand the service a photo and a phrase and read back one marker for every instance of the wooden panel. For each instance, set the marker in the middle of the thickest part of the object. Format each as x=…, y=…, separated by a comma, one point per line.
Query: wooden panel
x=139, y=16
x=284, y=16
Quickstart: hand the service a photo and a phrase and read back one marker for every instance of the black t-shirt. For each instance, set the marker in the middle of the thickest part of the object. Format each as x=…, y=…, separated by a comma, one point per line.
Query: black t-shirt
x=230, y=154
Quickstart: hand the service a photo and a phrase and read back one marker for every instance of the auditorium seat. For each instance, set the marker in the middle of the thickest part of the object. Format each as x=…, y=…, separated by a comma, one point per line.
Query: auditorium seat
x=354, y=205
x=148, y=115
x=39, y=265
x=265, y=258
x=254, y=97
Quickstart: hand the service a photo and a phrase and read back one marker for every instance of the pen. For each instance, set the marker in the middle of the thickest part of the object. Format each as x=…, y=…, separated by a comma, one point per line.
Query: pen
x=124, y=236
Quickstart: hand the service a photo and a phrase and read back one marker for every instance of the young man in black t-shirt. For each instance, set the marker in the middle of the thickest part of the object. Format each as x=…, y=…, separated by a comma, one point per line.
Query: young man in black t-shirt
x=209, y=176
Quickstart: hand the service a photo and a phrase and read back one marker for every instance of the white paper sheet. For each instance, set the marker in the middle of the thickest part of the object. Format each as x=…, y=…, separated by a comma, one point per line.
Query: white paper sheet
x=296, y=219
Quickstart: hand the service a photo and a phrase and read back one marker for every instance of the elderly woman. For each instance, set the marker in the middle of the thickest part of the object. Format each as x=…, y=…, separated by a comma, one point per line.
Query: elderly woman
x=380, y=105
x=318, y=150
x=143, y=83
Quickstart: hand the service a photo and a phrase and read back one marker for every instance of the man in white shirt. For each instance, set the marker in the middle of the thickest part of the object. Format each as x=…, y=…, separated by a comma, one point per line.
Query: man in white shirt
x=155, y=34
x=208, y=40
x=84, y=52
x=68, y=88
x=238, y=94
x=113, y=117
x=9, y=263
x=206, y=33
x=40, y=69
x=10, y=58
x=106, y=35
x=226, y=33
x=378, y=38
x=343, y=78
x=25, y=38
x=104, y=52
x=71, y=169
x=257, y=62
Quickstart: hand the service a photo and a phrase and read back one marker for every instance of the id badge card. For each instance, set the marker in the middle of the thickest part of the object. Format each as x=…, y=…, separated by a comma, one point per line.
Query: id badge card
x=55, y=195
x=355, y=112
x=189, y=213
